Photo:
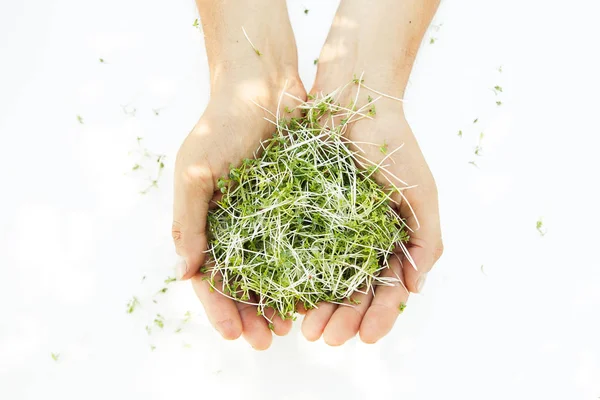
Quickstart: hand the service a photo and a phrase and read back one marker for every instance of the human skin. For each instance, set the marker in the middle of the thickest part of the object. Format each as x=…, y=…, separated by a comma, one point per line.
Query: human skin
x=379, y=41
x=229, y=130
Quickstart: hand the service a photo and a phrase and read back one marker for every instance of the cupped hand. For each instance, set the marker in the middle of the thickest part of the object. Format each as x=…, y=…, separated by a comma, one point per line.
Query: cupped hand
x=384, y=136
x=230, y=130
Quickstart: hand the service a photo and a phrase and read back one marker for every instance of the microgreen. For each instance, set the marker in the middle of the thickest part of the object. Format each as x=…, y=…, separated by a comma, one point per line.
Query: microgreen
x=302, y=223
x=129, y=110
x=384, y=148
x=497, y=89
x=475, y=120
x=80, y=119
x=148, y=330
x=498, y=103
x=315, y=61
x=163, y=290
x=159, y=321
x=187, y=317
x=258, y=53
x=459, y=133
x=132, y=304
x=196, y=23
x=432, y=40
x=152, y=347
x=306, y=11
x=539, y=225
x=55, y=356
x=170, y=279
x=478, y=148
x=101, y=60
x=156, y=111
x=401, y=307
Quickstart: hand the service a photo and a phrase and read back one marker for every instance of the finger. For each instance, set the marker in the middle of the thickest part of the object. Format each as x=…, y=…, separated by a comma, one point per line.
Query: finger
x=280, y=326
x=420, y=208
x=388, y=303
x=193, y=193
x=345, y=321
x=220, y=310
x=255, y=327
x=316, y=319
x=300, y=309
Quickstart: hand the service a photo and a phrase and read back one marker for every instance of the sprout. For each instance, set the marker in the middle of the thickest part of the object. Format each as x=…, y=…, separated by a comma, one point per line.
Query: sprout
x=132, y=304
x=302, y=223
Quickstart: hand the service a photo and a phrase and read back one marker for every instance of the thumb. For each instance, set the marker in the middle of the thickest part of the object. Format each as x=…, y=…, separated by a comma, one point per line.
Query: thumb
x=425, y=245
x=193, y=191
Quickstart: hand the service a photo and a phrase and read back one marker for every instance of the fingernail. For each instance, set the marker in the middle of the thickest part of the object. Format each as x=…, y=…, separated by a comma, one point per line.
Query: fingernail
x=421, y=283
x=180, y=268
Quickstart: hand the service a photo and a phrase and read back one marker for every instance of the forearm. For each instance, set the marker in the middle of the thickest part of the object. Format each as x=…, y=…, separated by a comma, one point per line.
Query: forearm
x=267, y=25
x=380, y=37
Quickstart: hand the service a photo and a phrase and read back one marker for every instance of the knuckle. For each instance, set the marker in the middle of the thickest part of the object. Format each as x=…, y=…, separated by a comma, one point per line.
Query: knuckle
x=176, y=232
x=438, y=250
x=195, y=176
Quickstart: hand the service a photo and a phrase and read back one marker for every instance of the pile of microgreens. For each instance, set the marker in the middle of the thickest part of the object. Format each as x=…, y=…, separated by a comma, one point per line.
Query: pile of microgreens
x=301, y=223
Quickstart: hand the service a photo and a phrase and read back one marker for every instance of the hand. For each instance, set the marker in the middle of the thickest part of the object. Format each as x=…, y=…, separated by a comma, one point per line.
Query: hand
x=231, y=129
x=385, y=71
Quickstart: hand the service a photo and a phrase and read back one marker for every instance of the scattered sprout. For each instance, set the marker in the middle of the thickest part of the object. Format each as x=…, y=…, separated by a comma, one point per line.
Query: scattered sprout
x=156, y=111
x=101, y=60
x=475, y=120
x=196, y=23
x=187, y=316
x=258, y=53
x=432, y=41
x=135, y=168
x=384, y=148
x=459, y=133
x=498, y=103
x=178, y=330
x=163, y=290
x=500, y=69
x=401, y=307
x=55, y=356
x=539, y=225
x=132, y=304
x=354, y=301
x=148, y=330
x=159, y=321
x=80, y=119
x=478, y=148
x=306, y=11
x=170, y=279
x=473, y=164
x=152, y=347
x=497, y=89
x=129, y=110
x=315, y=61
x=271, y=326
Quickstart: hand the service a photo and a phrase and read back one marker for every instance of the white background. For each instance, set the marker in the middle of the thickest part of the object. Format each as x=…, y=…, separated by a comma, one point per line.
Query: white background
x=76, y=237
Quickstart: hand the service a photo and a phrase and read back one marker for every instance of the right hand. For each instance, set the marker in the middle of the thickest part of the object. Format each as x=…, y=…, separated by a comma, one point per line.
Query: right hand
x=230, y=130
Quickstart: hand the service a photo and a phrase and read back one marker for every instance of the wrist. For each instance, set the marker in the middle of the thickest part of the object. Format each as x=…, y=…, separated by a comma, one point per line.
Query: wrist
x=248, y=40
x=379, y=39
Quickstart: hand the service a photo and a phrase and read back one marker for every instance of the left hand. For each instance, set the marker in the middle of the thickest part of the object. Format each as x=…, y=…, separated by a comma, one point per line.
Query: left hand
x=374, y=317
